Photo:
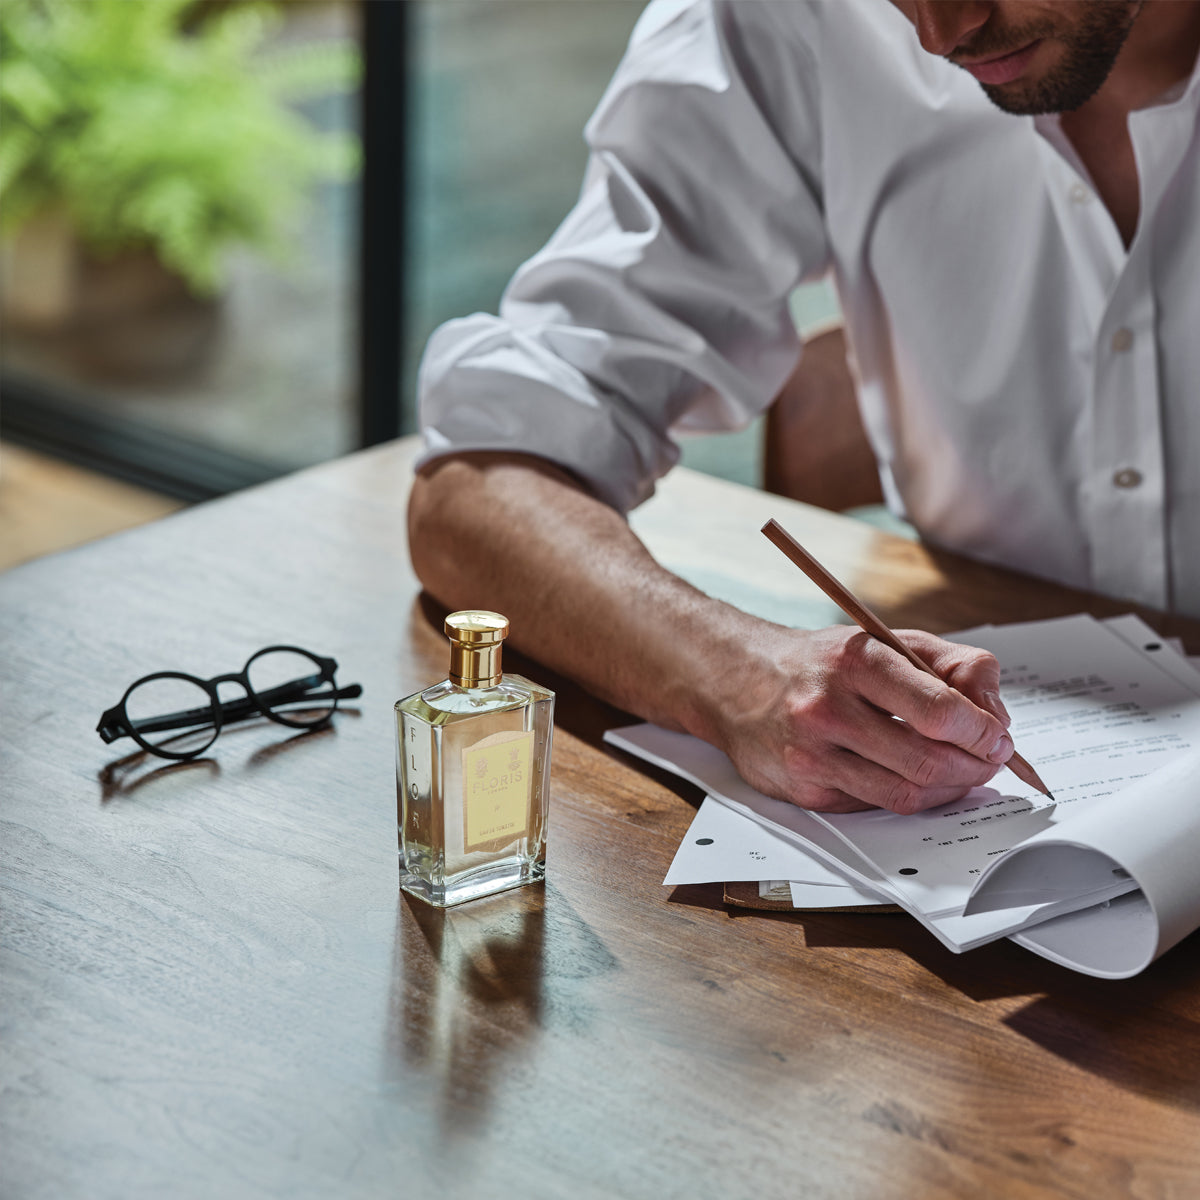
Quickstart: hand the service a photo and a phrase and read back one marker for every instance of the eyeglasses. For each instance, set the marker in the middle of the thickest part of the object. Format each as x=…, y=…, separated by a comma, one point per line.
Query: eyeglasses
x=179, y=716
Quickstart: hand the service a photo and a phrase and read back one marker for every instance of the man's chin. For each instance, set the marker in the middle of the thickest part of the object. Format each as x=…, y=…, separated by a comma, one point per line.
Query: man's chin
x=1032, y=100
x=1014, y=100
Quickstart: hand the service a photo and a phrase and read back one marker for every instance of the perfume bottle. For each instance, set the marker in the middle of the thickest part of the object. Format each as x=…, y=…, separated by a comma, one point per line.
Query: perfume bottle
x=473, y=772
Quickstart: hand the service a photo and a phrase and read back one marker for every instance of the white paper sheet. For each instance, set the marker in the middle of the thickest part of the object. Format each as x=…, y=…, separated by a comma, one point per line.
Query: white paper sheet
x=811, y=896
x=1150, y=832
x=1165, y=653
x=722, y=846
x=708, y=768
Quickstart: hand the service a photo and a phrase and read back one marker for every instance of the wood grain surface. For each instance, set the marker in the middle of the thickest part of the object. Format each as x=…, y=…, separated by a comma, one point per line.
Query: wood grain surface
x=210, y=986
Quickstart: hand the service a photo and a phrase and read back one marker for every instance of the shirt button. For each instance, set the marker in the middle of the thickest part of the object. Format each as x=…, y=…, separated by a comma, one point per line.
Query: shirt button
x=1127, y=477
x=1122, y=340
x=1079, y=194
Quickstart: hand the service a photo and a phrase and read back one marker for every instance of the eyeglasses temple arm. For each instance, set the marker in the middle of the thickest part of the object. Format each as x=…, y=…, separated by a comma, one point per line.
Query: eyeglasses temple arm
x=112, y=726
x=240, y=709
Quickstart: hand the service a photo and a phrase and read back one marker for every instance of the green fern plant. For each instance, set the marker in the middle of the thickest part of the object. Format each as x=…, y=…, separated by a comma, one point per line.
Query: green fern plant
x=141, y=132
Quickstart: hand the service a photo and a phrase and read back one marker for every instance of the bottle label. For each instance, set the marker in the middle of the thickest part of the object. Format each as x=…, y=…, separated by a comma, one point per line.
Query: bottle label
x=496, y=788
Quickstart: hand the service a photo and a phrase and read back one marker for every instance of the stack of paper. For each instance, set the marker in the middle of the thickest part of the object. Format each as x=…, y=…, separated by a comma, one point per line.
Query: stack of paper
x=1103, y=881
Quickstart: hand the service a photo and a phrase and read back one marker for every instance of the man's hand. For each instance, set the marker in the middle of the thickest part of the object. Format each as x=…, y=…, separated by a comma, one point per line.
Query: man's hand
x=817, y=724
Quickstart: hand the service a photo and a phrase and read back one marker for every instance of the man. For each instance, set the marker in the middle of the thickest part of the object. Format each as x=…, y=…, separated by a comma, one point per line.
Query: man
x=1008, y=196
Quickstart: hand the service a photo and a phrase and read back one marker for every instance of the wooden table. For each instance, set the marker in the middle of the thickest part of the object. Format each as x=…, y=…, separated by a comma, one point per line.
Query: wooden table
x=210, y=986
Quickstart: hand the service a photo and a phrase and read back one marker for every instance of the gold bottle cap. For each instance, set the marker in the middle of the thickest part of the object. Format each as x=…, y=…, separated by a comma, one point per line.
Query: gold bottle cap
x=476, y=641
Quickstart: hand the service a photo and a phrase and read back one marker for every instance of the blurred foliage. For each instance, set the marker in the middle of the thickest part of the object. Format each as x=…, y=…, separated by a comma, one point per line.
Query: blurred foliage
x=164, y=124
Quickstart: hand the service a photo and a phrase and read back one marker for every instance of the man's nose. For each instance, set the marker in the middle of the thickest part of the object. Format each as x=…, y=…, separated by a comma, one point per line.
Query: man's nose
x=943, y=25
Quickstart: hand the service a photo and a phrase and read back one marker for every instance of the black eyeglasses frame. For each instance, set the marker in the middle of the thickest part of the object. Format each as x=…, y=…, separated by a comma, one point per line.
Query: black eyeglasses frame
x=116, y=723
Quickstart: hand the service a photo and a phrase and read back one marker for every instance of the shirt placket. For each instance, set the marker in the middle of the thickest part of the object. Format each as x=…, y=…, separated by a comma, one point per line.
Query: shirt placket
x=1123, y=491
x=1131, y=493
x=1126, y=509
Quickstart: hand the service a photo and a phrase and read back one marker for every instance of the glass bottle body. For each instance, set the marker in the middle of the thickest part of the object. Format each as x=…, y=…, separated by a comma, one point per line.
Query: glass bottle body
x=473, y=788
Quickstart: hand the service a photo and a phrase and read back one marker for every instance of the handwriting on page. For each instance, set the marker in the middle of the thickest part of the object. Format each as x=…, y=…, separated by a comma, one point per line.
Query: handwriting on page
x=1095, y=722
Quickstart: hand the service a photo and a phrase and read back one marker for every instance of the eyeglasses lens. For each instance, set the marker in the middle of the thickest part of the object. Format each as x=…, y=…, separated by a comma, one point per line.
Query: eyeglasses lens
x=177, y=702
x=290, y=685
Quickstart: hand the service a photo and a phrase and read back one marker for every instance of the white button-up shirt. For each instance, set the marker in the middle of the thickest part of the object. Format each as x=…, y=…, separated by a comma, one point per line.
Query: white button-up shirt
x=1030, y=387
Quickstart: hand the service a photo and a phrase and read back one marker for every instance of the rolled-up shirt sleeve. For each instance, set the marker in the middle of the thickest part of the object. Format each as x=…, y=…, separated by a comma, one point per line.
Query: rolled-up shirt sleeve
x=661, y=303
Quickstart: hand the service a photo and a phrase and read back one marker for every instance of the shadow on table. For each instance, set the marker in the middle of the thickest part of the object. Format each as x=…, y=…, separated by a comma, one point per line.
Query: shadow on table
x=472, y=986
x=1142, y=1034
x=466, y=993
x=122, y=777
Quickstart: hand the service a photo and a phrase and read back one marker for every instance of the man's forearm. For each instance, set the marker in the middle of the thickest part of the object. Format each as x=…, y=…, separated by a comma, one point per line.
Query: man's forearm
x=582, y=593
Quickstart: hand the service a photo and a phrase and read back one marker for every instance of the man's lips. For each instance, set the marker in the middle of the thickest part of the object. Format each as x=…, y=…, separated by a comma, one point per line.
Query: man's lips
x=1002, y=69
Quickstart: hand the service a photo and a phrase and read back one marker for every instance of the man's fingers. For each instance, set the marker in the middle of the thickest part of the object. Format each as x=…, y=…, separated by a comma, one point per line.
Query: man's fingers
x=967, y=669
x=928, y=704
x=851, y=724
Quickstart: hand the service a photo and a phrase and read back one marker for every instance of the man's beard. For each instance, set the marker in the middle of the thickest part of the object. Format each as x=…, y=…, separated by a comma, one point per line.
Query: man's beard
x=1091, y=46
